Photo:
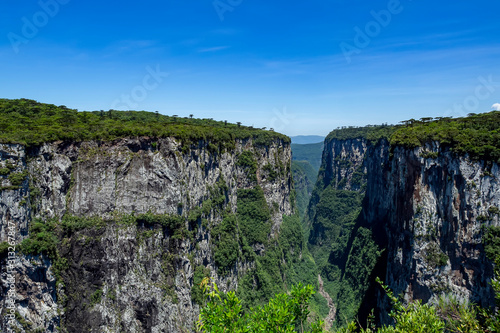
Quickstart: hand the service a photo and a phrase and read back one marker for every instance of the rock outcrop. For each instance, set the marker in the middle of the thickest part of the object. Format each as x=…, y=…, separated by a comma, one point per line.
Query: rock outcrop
x=115, y=276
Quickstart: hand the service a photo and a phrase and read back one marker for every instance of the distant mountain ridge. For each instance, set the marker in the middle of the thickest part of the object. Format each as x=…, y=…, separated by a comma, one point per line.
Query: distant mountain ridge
x=307, y=139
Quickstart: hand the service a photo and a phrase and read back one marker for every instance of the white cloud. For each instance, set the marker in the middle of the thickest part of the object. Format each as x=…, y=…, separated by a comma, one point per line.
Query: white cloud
x=496, y=106
x=213, y=49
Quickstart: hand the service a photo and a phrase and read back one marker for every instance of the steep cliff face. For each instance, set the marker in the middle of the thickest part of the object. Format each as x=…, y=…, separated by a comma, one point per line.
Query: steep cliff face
x=142, y=222
x=439, y=207
x=419, y=216
x=304, y=178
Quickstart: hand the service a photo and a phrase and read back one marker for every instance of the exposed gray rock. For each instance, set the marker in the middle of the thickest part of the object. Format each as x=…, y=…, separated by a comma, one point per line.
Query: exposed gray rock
x=119, y=277
x=429, y=207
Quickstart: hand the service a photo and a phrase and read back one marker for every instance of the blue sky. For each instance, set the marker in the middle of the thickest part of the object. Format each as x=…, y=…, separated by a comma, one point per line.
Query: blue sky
x=301, y=67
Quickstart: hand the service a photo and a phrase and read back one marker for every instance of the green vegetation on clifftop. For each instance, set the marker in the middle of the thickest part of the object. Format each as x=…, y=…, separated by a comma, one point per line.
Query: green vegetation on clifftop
x=29, y=122
x=477, y=135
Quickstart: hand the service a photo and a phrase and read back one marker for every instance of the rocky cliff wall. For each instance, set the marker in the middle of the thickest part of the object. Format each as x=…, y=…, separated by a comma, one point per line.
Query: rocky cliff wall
x=426, y=207
x=118, y=276
x=438, y=209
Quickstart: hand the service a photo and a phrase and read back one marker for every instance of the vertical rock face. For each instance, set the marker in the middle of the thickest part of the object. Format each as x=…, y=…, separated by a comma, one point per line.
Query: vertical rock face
x=435, y=223
x=117, y=276
x=344, y=166
x=427, y=207
x=14, y=195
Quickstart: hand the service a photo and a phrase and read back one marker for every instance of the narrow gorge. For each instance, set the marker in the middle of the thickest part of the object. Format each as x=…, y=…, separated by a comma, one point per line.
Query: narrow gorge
x=110, y=221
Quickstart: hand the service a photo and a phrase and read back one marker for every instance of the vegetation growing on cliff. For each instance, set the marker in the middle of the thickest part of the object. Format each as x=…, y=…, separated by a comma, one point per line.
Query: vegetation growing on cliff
x=304, y=177
x=344, y=251
x=477, y=134
x=288, y=313
x=308, y=152
x=29, y=122
x=285, y=313
x=372, y=133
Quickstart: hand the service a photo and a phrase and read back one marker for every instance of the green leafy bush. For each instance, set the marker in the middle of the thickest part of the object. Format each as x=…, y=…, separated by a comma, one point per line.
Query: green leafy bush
x=416, y=318
x=200, y=273
x=226, y=241
x=43, y=239
x=254, y=216
x=494, y=210
x=96, y=297
x=435, y=257
x=17, y=178
x=491, y=241
x=285, y=313
x=4, y=248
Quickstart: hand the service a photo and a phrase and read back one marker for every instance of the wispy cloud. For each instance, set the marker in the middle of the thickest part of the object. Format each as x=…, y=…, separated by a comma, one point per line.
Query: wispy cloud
x=128, y=46
x=212, y=49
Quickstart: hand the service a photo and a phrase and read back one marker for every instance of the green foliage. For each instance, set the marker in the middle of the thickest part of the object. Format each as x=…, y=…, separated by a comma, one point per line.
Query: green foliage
x=429, y=154
x=247, y=160
x=4, y=171
x=476, y=135
x=17, y=178
x=29, y=122
x=304, y=177
x=200, y=274
x=336, y=214
x=449, y=315
x=285, y=313
x=494, y=210
x=363, y=256
x=458, y=317
x=216, y=201
x=174, y=225
x=70, y=223
x=435, y=257
x=344, y=252
x=284, y=262
x=272, y=173
x=43, y=239
x=308, y=153
x=417, y=317
x=4, y=248
x=491, y=241
x=96, y=297
x=226, y=242
x=372, y=133
x=253, y=215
